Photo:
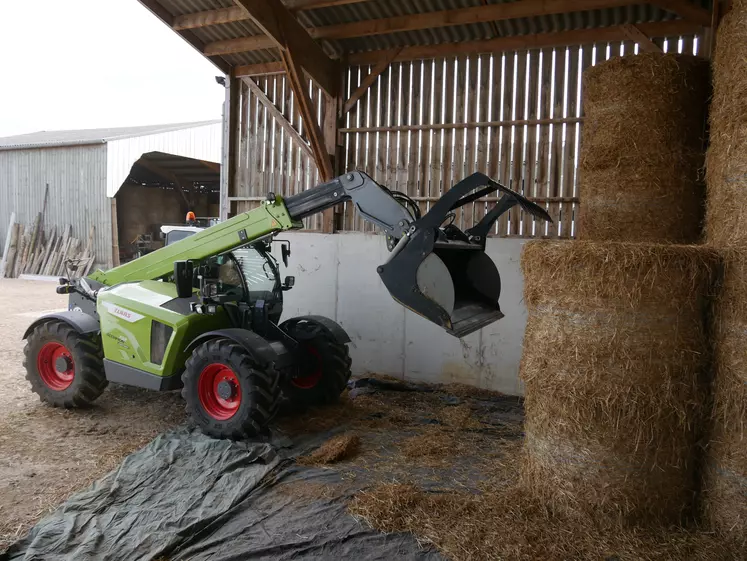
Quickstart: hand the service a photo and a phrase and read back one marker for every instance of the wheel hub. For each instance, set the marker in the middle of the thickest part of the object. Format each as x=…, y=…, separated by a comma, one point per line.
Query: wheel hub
x=63, y=363
x=219, y=391
x=226, y=390
x=55, y=366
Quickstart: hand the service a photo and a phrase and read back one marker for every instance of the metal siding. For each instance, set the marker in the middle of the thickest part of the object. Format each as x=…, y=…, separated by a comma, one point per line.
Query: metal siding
x=76, y=176
x=378, y=9
x=202, y=143
x=46, y=139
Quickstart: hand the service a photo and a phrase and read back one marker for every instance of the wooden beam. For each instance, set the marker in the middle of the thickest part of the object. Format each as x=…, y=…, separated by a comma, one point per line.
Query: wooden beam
x=709, y=37
x=306, y=109
x=240, y=45
x=296, y=5
x=238, y=13
x=278, y=115
x=167, y=17
x=523, y=42
x=260, y=69
x=285, y=32
x=234, y=134
x=635, y=34
x=686, y=10
x=429, y=20
x=463, y=16
x=168, y=176
x=376, y=71
x=210, y=17
x=517, y=42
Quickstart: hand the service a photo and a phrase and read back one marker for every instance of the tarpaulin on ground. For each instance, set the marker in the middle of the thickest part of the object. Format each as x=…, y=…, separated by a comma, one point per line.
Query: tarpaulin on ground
x=186, y=496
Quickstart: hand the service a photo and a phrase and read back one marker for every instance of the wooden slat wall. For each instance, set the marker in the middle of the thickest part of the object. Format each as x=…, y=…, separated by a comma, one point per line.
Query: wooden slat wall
x=270, y=159
x=424, y=125
x=515, y=116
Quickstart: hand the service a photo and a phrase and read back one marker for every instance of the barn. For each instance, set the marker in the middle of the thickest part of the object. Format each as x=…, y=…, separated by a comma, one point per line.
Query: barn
x=120, y=182
x=604, y=417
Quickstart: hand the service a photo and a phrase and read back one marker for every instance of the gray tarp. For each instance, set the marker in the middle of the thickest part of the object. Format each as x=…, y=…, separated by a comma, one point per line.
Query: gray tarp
x=186, y=496
x=189, y=497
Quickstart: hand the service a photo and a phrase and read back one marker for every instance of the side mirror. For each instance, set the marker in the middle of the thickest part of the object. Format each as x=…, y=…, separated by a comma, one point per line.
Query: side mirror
x=183, y=274
x=285, y=250
x=289, y=283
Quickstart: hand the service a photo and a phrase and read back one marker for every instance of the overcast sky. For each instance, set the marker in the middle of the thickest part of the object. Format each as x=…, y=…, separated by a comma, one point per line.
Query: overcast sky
x=75, y=64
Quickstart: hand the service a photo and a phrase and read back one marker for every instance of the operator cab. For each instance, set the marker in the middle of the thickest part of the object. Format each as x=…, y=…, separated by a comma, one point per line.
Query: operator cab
x=245, y=278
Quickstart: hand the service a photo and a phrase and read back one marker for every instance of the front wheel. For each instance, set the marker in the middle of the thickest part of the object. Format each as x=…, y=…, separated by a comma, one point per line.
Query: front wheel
x=323, y=364
x=65, y=368
x=227, y=394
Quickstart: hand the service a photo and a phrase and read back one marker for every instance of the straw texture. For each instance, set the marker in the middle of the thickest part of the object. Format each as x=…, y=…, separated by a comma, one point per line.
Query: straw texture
x=642, y=149
x=615, y=355
x=725, y=485
x=726, y=219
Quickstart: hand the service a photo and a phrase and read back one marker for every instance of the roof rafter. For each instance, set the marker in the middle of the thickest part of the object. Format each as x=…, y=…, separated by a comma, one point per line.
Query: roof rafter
x=635, y=34
x=521, y=42
x=428, y=20
x=687, y=10
x=286, y=33
x=497, y=45
x=210, y=17
x=237, y=13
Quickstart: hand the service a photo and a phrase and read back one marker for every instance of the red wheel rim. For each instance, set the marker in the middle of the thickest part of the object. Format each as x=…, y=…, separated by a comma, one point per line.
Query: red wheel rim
x=314, y=369
x=219, y=391
x=55, y=366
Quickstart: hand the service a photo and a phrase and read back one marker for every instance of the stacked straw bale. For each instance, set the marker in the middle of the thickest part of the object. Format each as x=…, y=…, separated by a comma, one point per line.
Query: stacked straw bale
x=725, y=485
x=642, y=149
x=614, y=356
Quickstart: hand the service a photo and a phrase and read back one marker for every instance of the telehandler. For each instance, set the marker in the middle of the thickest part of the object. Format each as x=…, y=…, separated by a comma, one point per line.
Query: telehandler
x=203, y=313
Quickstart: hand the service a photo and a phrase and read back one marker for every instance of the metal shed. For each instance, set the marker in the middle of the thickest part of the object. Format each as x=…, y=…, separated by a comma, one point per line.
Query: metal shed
x=83, y=170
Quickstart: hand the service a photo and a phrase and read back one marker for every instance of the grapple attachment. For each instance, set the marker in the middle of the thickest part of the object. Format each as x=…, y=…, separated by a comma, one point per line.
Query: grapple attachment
x=444, y=274
x=436, y=270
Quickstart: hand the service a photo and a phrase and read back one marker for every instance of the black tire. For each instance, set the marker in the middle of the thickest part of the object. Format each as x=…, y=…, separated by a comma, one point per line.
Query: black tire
x=86, y=367
x=254, y=392
x=324, y=365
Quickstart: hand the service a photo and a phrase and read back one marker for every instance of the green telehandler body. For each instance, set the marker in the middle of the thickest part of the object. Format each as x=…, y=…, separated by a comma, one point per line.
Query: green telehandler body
x=204, y=312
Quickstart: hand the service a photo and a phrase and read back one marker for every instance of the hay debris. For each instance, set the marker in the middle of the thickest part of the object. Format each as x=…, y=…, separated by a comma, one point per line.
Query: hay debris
x=642, y=149
x=726, y=161
x=615, y=352
x=509, y=523
x=459, y=417
x=336, y=449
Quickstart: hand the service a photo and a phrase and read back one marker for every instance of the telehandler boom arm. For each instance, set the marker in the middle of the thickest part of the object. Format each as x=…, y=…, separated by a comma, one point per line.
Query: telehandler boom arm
x=439, y=272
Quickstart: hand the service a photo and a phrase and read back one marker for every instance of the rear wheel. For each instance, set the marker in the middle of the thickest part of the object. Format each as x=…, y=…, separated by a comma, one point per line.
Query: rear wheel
x=65, y=368
x=228, y=395
x=323, y=365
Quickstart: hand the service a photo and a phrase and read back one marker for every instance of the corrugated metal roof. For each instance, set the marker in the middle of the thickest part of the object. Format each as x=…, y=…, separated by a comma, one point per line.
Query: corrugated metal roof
x=44, y=139
x=378, y=9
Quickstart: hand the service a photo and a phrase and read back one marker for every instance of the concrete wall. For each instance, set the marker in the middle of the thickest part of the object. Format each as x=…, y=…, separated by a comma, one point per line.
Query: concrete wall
x=336, y=277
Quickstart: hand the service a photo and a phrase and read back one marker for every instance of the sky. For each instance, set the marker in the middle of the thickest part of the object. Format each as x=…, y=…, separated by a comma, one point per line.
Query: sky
x=76, y=64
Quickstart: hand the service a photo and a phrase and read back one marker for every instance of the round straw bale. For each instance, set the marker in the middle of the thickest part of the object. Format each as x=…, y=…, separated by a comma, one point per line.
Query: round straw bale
x=614, y=357
x=726, y=161
x=642, y=149
x=671, y=209
x=725, y=485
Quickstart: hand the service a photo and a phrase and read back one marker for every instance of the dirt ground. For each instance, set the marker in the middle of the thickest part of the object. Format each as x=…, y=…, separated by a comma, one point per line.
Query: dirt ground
x=46, y=454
